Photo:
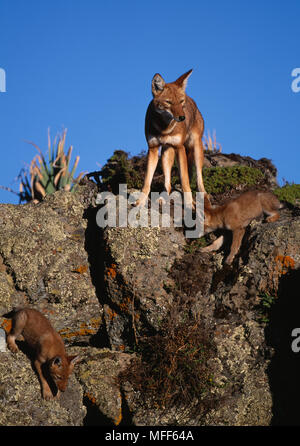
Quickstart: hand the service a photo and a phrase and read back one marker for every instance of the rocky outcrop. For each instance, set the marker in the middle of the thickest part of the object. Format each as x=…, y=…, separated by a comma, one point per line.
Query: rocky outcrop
x=110, y=291
x=44, y=263
x=228, y=301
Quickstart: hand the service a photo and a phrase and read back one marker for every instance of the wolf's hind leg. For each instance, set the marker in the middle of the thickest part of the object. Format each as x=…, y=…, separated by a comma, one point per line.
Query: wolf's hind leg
x=18, y=323
x=215, y=245
x=272, y=217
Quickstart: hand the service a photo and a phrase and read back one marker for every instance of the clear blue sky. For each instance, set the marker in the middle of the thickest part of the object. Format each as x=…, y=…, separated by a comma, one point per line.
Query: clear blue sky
x=87, y=66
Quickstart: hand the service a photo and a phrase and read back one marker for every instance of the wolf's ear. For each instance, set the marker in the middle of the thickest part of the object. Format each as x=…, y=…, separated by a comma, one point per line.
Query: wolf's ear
x=182, y=80
x=158, y=84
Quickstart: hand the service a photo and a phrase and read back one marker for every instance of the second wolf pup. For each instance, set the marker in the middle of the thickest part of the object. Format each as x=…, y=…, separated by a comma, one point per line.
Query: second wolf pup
x=48, y=348
x=236, y=214
x=174, y=123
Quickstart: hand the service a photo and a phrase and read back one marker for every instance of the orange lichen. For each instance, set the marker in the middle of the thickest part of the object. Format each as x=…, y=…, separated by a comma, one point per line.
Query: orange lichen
x=118, y=419
x=111, y=313
x=6, y=325
x=85, y=329
x=120, y=347
x=284, y=263
x=111, y=271
x=80, y=269
x=126, y=305
x=90, y=397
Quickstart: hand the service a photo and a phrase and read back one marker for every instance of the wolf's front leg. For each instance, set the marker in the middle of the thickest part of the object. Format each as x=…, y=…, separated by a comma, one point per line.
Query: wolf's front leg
x=167, y=160
x=152, y=161
x=46, y=391
x=237, y=237
x=184, y=176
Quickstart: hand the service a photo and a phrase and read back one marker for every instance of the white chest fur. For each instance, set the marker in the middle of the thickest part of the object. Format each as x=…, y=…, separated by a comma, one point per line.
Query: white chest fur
x=162, y=140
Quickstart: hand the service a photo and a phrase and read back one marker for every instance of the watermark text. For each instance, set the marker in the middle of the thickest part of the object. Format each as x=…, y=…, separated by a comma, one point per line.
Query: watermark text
x=296, y=342
x=2, y=81
x=295, y=86
x=119, y=211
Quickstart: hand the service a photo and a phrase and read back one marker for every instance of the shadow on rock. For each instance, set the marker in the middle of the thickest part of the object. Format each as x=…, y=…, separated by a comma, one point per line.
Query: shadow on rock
x=94, y=417
x=94, y=248
x=284, y=368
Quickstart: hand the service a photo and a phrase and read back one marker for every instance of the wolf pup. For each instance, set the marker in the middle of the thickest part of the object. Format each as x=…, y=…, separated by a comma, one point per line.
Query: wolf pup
x=235, y=215
x=48, y=347
x=174, y=123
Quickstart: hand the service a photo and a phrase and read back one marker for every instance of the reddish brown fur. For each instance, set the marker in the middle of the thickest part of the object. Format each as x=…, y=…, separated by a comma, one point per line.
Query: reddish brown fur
x=173, y=122
x=236, y=215
x=48, y=347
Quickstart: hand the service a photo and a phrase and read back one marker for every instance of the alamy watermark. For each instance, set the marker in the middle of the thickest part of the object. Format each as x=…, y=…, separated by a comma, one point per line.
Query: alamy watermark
x=295, y=86
x=2, y=81
x=117, y=211
x=296, y=342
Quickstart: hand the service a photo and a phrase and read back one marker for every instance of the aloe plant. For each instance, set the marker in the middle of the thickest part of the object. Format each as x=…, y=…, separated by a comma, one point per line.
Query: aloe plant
x=45, y=177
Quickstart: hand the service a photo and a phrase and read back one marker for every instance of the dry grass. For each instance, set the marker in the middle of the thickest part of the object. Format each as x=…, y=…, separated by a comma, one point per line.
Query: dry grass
x=210, y=142
x=170, y=368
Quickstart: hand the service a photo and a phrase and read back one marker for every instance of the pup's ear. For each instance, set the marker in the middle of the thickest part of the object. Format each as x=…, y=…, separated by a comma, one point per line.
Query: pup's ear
x=182, y=80
x=73, y=359
x=158, y=84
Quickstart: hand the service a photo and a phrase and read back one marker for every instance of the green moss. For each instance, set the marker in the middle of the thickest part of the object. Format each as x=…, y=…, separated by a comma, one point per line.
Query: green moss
x=288, y=192
x=218, y=180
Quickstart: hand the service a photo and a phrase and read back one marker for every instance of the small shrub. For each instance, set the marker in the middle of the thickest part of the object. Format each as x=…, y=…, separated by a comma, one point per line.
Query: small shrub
x=218, y=180
x=120, y=169
x=170, y=368
x=266, y=302
x=290, y=193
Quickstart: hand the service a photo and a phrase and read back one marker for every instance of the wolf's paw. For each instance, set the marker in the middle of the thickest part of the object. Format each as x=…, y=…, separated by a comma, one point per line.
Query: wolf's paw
x=12, y=345
x=48, y=395
x=141, y=201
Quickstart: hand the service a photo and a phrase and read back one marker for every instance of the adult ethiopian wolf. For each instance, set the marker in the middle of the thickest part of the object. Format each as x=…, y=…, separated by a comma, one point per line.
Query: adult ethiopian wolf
x=174, y=123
